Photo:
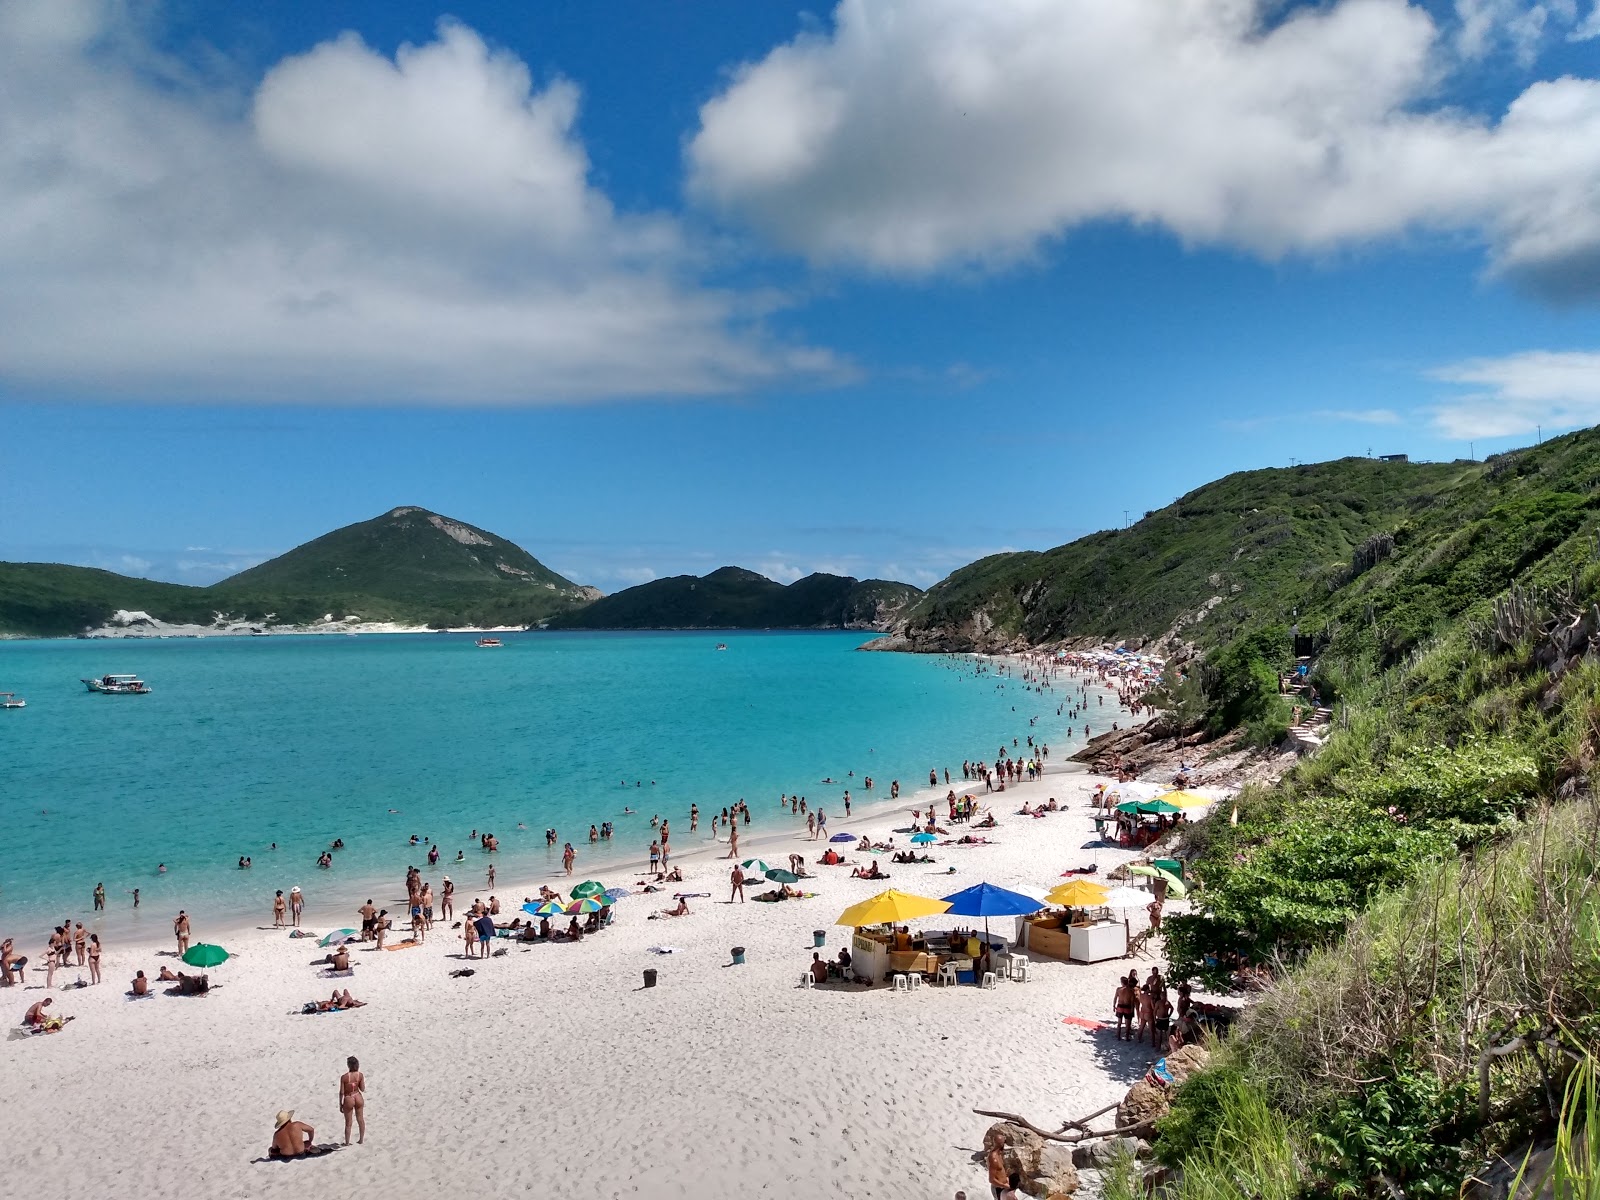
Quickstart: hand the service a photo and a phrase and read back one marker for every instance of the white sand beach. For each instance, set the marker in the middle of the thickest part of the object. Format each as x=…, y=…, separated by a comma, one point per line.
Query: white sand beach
x=552, y=1071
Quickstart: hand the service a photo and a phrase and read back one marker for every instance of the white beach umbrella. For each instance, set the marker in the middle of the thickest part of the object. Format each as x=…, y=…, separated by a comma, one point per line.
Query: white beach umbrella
x=1128, y=897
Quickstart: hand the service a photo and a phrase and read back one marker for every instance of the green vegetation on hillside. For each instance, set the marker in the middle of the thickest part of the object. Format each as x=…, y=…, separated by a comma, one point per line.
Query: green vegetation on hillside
x=409, y=565
x=733, y=598
x=1244, y=549
x=1424, y=887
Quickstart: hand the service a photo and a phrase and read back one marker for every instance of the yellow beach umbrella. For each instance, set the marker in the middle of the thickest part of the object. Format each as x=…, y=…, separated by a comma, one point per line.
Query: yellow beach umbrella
x=891, y=907
x=1185, y=799
x=1079, y=893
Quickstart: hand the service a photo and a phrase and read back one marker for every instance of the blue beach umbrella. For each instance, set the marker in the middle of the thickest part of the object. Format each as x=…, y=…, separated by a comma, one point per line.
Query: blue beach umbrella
x=843, y=837
x=985, y=900
x=922, y=839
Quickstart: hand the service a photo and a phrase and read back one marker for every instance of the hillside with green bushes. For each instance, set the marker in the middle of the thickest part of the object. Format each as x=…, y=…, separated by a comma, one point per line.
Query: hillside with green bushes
x=1247, y=546
x=409, y=566
x=1422, y=891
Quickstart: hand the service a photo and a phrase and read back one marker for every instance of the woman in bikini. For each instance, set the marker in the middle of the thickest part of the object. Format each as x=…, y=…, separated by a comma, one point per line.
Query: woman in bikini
x=353, y=1099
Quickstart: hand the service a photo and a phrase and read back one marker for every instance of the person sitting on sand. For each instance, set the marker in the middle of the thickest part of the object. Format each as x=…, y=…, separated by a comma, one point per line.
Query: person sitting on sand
x=830, y=857
x=39, y=1021
x=681, y=911
x=574, y=932
x=291, y=1138
x=843, y=964
x=871, y=872
x=819, y=969
x=673, y=876
x=339, y=960
x=864, y=845
x=1026, y=810
x=140, y=985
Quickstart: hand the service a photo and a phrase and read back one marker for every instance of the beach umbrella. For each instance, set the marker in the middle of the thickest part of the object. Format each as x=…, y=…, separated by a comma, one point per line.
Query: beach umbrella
x=759, y=866
x=545, y=908
x=1184, y=799
x=889, y=907
x=779, y=875
x=201, y=954
x=1127, y=897
x=986, y=900
x=1174, y=884
x=612, y=895
x=588, y=887
x=843, y=837
x=1079, y=893
x=339, y=937
x=922, y=839
x=584, y=904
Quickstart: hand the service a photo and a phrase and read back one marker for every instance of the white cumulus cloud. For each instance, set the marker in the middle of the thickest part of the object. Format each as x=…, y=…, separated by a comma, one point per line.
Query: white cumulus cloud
x=1519, y=393
x=916, y=134
x=353, y=227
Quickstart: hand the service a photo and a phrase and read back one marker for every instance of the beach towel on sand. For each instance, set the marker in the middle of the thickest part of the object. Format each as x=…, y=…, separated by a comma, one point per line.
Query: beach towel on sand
x=1085, y=1023
x=665, y=949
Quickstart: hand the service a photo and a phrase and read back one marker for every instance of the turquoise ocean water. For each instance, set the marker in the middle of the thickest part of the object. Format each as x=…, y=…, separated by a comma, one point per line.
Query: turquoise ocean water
x=298, y=740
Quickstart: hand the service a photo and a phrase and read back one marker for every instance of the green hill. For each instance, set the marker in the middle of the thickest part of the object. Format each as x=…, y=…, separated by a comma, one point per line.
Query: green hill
x=734, y=598
x=1249, y=545
x=408, y=565
x=1423, y=889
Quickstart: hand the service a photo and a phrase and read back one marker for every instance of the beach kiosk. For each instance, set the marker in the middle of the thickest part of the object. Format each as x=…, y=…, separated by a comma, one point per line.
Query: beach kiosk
x=871, y=951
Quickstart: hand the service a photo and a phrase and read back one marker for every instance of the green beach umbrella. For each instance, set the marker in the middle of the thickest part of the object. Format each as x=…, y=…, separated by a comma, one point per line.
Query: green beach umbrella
x=779, y=875
x=339, y=937
x=588, y=887
x=203, y=955
x=1174, y=885
x=759, y=866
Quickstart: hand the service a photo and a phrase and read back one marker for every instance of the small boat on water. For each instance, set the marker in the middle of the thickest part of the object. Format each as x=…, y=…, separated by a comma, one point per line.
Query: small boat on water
x=488, y=642
x=722, y=645
x=12, y=700
x=117, y=685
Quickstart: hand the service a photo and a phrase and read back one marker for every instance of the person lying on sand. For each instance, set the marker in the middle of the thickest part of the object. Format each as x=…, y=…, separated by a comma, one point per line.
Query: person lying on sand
x=167, y=976
x=340, y=999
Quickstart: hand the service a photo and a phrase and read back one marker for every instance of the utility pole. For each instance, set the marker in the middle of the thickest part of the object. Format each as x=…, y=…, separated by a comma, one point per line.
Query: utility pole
x=1472, y=451
x=1538, y=431
x=1124, y=518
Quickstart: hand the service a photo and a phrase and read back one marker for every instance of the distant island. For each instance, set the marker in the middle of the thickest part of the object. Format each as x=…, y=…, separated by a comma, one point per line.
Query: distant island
x=412, y=569
x=734, y=598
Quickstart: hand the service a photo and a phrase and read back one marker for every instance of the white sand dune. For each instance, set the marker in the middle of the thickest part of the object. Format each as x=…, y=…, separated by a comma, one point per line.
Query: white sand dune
x=552, y=1072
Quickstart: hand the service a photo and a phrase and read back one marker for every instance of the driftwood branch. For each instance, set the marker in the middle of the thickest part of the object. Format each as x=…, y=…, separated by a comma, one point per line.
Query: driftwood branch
x=1080, y=1135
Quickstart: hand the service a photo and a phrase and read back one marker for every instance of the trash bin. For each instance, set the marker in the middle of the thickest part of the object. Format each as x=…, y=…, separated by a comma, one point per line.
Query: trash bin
x=819, y=937
x=1172, y=865
x=738, y=955
x=649, y=977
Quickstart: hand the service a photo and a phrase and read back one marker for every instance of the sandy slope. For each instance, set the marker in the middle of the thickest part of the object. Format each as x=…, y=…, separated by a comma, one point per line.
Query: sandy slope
x=552, y=1072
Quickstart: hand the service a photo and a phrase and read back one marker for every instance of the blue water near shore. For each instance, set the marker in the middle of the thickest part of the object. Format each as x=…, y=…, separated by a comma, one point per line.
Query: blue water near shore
x=298, y=740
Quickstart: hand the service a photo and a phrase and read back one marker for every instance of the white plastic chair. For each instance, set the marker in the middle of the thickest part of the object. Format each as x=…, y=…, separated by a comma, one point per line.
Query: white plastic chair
x=1019, y=967
x=913, y=981
x=947, y=976
x=900, y=984
x=988, y=981
x=806, y=981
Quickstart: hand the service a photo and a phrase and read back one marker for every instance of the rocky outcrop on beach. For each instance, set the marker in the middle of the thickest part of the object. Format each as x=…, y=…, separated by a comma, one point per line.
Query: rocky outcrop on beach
x=1045, y=1166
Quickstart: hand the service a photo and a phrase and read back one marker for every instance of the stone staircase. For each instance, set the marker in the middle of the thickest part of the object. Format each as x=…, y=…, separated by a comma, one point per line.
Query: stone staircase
x=1311, y=731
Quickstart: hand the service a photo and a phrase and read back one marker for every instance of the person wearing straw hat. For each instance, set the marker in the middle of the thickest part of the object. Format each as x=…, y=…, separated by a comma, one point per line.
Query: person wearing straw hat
x=291, y=1138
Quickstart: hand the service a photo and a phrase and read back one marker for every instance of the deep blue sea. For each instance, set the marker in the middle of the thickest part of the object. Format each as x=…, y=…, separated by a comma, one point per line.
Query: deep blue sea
x=299, y=740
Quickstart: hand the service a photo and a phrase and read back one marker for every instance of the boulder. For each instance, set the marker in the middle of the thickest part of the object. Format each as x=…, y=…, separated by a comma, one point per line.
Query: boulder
x=1101, y=1153
x=1045, y=1167
x=1187, y=1060
x=1144, y=1104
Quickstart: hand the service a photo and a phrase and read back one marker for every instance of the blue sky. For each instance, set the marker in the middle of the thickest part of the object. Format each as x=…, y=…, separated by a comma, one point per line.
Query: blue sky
x=877, y=289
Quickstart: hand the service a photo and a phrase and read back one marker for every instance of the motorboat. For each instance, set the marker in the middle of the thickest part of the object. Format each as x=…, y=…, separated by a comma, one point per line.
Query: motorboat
x=487, y=642
x=118, y=685
x=722, y=645
x=12, y=700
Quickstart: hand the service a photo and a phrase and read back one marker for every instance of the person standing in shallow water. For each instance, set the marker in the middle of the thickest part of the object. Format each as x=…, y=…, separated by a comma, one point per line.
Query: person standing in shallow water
x=99, y=897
